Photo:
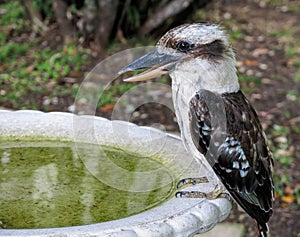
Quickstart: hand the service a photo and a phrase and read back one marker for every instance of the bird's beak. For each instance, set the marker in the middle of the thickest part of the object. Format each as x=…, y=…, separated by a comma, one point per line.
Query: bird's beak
x=157, y=64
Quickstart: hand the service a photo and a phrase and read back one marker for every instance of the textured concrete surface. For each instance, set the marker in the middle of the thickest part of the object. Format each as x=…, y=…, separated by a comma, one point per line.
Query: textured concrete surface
x=225, y=230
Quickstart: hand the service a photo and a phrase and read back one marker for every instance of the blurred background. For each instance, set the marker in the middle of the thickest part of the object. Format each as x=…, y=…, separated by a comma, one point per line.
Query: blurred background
x=47, y=47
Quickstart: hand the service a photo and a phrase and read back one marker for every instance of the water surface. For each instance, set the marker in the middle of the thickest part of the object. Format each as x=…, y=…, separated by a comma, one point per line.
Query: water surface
x=48, y=184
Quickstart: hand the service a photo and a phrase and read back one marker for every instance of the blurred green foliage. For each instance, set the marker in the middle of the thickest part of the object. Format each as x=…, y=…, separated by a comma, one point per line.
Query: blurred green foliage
x=13, y=15
x=45, y=6
x=26, y=67
x=31, y=73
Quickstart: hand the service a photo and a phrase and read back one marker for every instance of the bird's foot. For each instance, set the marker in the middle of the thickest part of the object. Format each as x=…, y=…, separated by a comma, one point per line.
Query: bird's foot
x=217, y=192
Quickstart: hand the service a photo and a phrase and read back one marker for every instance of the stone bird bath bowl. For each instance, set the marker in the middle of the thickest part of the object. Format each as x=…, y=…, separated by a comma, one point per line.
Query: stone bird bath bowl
x=83, y=135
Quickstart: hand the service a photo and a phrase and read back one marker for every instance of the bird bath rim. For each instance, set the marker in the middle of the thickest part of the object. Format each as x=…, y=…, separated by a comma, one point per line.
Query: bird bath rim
x=175, y=217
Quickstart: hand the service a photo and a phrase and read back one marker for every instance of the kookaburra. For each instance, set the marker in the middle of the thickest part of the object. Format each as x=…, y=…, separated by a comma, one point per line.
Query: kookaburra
x=215, y=118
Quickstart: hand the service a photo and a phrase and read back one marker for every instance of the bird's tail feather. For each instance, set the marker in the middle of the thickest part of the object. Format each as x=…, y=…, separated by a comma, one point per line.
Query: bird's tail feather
x=262, y=230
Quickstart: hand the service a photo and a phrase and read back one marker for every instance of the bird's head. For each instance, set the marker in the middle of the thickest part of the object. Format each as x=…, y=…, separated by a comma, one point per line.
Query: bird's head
x=195, y=54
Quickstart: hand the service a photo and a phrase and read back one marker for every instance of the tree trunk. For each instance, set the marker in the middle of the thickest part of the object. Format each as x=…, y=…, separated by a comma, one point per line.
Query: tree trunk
x=106, y=18
x=67, y=29
x=36, y=19
x=162, y=14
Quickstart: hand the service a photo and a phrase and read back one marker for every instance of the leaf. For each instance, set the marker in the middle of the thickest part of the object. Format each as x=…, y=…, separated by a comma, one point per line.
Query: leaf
x=107, y=108
x=251, y=63
x=260, y=51
x=288, y=198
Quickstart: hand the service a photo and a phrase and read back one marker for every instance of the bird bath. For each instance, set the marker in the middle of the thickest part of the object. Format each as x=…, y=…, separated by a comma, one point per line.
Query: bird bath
x=69, y=175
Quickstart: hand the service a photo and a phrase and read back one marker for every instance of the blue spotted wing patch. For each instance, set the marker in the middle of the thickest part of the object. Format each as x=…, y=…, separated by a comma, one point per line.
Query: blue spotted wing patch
x=233, y=163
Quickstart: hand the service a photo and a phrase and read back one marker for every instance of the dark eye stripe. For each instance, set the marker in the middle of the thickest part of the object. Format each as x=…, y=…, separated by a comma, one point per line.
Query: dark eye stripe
x=212, y=51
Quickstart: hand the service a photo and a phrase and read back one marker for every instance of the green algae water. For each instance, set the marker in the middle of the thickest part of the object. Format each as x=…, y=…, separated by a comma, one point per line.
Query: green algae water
x=48, y=184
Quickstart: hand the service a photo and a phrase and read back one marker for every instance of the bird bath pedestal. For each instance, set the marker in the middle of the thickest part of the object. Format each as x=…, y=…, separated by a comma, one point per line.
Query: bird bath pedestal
x=172, y=217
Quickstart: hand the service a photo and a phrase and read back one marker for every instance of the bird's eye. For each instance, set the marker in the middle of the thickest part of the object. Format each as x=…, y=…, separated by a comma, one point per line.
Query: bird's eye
x=183, y=46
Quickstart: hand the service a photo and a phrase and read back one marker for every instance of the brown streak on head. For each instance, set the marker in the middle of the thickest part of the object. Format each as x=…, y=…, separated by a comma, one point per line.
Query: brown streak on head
x=212, y=51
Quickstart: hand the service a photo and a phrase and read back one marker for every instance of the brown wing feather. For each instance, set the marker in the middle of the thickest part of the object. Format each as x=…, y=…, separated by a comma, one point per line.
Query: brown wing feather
x=244, y=162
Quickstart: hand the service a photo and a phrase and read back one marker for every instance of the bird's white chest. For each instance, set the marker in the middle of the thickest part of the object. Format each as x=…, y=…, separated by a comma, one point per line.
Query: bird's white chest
x=181, y=98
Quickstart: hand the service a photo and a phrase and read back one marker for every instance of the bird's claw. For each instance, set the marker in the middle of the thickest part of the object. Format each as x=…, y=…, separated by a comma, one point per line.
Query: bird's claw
x=180, y=194
x=225, y=195
x=217, y=192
